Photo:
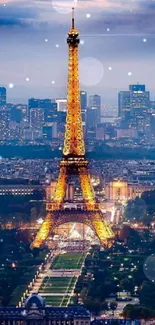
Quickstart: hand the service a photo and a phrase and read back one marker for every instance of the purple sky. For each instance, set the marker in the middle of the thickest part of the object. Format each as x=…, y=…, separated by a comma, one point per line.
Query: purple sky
x=117, y=49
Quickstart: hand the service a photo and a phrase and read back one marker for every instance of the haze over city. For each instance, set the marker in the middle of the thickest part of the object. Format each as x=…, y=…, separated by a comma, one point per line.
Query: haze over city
x=117, y=46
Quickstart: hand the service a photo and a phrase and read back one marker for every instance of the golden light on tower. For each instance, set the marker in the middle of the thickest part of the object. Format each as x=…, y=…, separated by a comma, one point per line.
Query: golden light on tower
x=73, y=161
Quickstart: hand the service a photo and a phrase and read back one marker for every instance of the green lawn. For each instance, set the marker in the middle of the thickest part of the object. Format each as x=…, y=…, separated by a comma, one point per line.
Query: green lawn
x=68, y=261
x=57, y=285
x=56, y=300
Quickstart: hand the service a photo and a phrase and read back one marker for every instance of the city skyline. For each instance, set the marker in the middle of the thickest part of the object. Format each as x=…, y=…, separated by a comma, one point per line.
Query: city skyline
x=117, y=45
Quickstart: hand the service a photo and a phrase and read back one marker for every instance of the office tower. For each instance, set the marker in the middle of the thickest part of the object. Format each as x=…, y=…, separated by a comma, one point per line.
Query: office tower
x=139, y=99
x=83, y=98
x=134, y=108
x=95, y=101
x=91, y=122
x=140, y=104
x=92, y=117
x=100, y=131
x=18, y=113
x=2, y=96
x=50, y=113
x=152, y=105
x=49, y=131
x=36, y=118
x=61, y=119
x=124, y=104
x=61, y=104
x=4, y=124
x=38, y=103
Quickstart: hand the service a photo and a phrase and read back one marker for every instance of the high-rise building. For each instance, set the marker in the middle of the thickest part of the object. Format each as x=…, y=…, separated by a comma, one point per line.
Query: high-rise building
x=61, y=104
x=140, y=104
x=152, y=106
x=4, y=124
x=124, y=104
x=2, y=96
x=83, y=98
x=36, y=118
x=133, y=107
x=139, y=99
x=38, y=103
x=51, y=113
x=49, y=131
x=19, y=113
x=61, y=118
x=95, y=101
x=92, y=117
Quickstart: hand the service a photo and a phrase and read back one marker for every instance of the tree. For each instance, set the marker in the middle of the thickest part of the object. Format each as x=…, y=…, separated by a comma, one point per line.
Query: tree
x=147, y=295
x=135, y=209
x=113, y=306
x=137, y=312
x=104, y=306
x=93, y=305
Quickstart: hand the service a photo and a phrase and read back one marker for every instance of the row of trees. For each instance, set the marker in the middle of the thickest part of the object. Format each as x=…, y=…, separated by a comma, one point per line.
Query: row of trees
x=18, y=264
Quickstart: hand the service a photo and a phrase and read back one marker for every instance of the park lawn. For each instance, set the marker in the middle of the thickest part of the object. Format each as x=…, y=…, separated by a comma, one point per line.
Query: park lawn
x=57, y=285
x=68, y=261
x=56, y=300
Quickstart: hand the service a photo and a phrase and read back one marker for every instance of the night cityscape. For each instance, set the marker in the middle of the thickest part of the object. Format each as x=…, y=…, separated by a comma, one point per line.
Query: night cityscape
x=77, y=162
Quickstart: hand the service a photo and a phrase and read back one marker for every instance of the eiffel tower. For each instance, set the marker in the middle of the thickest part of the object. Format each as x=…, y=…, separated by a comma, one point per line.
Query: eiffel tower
x=73, y=162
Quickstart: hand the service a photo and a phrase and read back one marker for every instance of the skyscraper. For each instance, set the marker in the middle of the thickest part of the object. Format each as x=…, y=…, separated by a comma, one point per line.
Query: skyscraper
x=95, y=101
x=83, y=98
x=36, y=118
x=133, y=107
x=4, y=124
x=61, y=104
x=50, y=113
x=140, y=104
x=38, y=103
x=2, y=96
x=139, y=99
x=124, y=104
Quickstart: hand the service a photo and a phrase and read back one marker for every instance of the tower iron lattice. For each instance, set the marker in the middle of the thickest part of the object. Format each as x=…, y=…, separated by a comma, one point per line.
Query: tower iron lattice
x=73, y=162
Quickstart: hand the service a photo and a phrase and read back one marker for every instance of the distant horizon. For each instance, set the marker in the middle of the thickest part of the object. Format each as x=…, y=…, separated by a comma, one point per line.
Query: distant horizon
x=114, y=103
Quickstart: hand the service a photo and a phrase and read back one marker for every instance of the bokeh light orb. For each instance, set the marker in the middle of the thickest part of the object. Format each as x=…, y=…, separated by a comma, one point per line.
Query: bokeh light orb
x=149, y=267
x=91, y=71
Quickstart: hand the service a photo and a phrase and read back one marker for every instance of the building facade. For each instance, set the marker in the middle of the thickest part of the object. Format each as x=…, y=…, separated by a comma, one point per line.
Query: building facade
x=2, y=96
x=35, y=312
x=121, y=191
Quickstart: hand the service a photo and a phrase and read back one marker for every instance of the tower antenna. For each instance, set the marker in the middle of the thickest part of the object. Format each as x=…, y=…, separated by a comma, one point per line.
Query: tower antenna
x=72, y=18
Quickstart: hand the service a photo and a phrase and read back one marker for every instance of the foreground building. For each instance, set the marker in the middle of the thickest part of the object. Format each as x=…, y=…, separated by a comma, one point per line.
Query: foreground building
x=35, y=312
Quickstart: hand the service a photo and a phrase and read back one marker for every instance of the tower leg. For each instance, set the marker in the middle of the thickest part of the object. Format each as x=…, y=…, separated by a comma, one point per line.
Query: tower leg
x=87, y=189
x=100, y=225
x=44, y=231
x=101, y=228
x=60, y=190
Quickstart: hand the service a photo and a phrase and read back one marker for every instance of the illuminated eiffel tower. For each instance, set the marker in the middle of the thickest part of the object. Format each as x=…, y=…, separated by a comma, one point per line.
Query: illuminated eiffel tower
x=73, y=162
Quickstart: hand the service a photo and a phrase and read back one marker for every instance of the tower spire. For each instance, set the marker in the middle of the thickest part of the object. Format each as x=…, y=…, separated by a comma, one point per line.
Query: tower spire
x=73, y=18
